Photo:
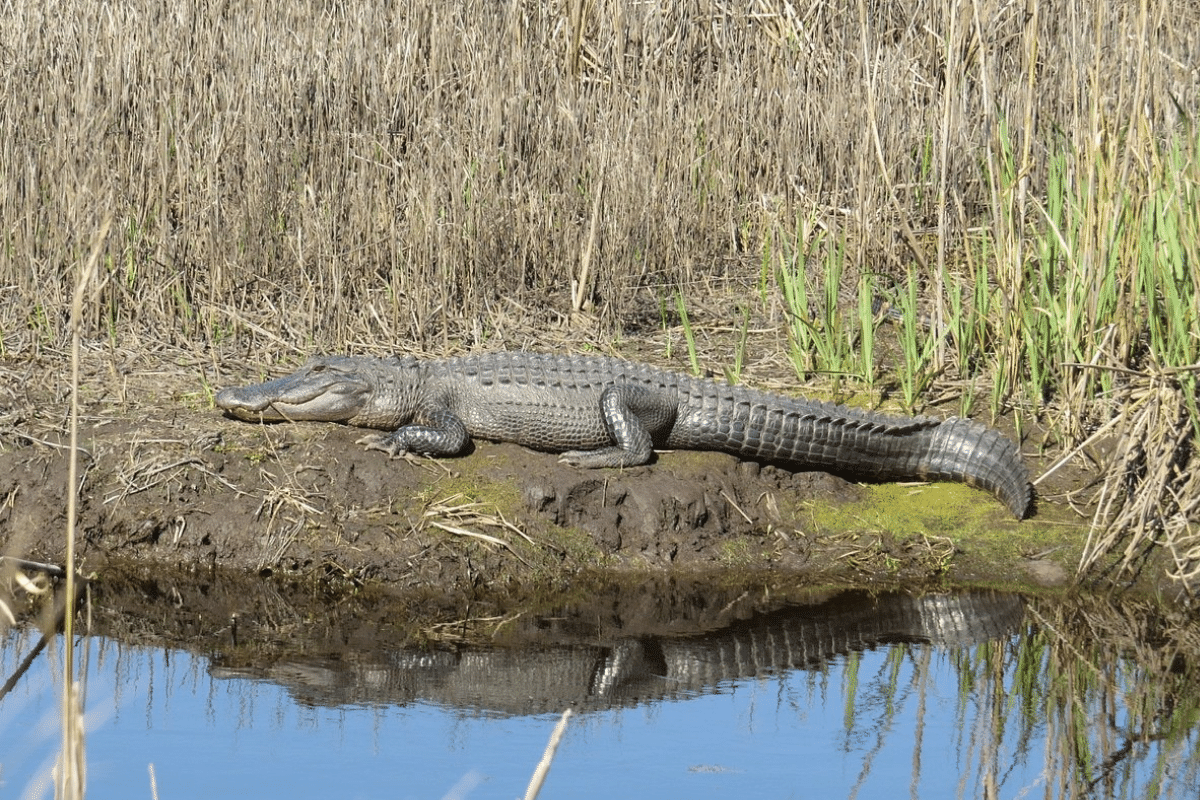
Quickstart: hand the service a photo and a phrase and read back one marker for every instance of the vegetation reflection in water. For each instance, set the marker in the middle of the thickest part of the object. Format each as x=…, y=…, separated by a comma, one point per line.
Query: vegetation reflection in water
x=1080, y=699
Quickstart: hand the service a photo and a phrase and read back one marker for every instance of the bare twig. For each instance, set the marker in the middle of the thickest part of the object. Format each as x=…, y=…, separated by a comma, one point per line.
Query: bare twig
x=543, y=767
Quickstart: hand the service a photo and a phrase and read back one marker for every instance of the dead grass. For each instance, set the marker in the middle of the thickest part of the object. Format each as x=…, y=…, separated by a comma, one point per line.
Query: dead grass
x=460, y=516
x=346, y=176
x=1150, y=497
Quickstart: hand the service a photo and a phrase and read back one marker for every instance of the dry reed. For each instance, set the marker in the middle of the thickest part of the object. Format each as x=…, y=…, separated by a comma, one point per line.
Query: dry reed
x=322, y=175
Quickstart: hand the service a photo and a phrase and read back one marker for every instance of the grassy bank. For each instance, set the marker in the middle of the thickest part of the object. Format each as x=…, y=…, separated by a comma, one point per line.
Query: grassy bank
x=1018, y=182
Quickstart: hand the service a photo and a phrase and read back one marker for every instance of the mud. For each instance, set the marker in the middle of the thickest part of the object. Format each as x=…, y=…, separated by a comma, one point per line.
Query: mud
x=170, y=485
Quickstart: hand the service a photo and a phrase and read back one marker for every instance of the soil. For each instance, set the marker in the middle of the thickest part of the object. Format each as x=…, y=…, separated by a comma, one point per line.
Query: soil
x=169, y=485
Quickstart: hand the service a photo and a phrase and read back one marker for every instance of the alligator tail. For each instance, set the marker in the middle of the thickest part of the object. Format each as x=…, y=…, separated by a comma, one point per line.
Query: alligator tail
x=962, y=450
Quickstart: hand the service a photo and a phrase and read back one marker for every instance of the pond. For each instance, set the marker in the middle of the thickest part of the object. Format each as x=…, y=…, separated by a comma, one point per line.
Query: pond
x=850, y=694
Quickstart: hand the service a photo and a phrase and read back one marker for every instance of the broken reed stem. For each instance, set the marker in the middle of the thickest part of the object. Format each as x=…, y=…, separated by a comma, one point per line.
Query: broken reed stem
x=543, y=767
x=71, y=773
x=585, y=261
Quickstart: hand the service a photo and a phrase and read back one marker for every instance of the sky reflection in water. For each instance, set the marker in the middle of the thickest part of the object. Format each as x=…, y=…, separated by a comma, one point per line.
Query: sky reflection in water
x=206, y=737
x=902, y=720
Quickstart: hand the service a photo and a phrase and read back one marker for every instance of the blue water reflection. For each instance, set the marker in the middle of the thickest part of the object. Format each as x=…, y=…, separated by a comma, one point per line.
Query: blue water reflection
x=782, y=736
x=903, y=719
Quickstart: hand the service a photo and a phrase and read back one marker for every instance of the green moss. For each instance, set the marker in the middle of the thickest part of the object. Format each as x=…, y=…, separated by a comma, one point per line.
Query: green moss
x=249, y=442
x=987, y=540
x=577, y=545
x=504, y=497
x=936, y=509
x=739, y=551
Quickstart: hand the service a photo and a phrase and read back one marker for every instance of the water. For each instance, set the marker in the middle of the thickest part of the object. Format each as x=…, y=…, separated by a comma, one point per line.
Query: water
x=900, y=707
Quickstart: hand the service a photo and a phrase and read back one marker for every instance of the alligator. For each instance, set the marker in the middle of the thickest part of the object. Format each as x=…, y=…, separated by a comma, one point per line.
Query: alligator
x=606, y=412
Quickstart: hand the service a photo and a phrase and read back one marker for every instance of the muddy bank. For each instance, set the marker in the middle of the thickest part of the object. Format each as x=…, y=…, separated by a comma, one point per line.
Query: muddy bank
x=195, y=491
x=171, y=485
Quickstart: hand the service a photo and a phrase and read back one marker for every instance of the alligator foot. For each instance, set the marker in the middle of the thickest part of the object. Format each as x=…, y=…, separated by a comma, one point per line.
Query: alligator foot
x=604, y=457
x=384, y=442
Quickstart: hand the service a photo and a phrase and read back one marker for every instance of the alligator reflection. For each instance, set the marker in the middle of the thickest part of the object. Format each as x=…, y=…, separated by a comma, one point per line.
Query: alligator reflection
x=631, y=671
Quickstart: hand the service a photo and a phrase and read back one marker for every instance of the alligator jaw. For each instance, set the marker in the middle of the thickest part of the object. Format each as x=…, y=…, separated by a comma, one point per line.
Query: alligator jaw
x=319, y=391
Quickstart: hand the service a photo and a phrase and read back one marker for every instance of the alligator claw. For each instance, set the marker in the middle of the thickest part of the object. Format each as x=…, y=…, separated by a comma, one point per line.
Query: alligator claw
x=602, y=457
x=384, y=443
x=587, y=459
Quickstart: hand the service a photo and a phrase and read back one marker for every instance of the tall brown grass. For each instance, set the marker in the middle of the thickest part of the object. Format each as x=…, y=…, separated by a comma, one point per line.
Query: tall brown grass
x=320, y=175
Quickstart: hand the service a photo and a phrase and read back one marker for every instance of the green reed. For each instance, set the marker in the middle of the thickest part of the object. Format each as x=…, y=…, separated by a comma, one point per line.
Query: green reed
x=689, y=335
x=822, y=336
x=867, y=292
x=1107, y=279
x=733, y=372
x=917, y=343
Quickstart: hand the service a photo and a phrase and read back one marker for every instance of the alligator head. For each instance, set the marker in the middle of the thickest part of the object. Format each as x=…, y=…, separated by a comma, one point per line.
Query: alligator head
x=328, y=389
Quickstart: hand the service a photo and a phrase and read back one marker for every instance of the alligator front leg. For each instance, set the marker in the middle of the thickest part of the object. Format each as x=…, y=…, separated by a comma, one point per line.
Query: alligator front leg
x=630, y=414
x=440, y=433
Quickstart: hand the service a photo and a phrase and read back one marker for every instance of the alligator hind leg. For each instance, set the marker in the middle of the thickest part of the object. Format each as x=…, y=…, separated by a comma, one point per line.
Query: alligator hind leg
x=630, y=414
